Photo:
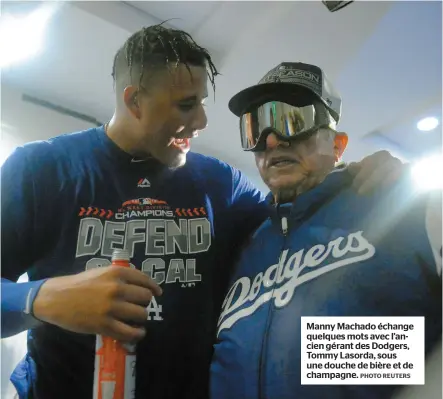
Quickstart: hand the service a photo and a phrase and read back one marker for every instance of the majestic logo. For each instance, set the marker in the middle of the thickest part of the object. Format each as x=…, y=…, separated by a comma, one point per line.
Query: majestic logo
x=279, y=281
x=144, y=183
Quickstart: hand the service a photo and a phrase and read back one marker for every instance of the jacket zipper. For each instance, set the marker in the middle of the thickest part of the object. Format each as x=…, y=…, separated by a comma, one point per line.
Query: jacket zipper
x=262, y=363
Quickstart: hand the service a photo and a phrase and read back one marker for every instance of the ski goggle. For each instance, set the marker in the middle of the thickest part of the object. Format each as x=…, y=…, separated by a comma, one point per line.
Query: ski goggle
x=287, y=121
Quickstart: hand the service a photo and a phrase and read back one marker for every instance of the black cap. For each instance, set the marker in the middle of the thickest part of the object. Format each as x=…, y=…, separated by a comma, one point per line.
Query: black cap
x=290, y=75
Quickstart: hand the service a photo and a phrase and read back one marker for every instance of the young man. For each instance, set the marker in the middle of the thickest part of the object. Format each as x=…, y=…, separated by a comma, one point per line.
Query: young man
x=324, y=251
x=68, y=202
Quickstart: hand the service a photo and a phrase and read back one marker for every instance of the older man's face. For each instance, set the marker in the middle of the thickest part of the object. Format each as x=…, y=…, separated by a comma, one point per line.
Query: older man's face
x=288, y=165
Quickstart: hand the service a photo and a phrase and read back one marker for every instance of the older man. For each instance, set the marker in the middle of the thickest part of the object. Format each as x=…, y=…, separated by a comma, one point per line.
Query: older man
x=324, y=251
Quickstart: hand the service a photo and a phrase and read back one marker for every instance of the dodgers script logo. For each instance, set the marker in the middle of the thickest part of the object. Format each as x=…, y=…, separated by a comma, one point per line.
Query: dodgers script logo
x=280, y=280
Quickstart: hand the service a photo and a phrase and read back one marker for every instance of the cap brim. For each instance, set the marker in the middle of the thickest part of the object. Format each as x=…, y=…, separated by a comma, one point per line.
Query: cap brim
x=265, y=92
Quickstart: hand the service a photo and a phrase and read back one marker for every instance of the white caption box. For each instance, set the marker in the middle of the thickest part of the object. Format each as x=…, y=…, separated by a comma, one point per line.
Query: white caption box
x=363, y=351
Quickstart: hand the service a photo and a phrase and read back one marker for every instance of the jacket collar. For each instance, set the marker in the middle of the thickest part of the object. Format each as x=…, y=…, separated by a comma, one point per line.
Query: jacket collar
x=310, y=201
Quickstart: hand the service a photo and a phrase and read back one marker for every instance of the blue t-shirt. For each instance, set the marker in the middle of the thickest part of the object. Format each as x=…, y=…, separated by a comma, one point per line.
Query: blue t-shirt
x=68, y=202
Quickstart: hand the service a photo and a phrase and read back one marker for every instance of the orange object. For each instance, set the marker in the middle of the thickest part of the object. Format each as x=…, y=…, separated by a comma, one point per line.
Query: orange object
x=114, y=373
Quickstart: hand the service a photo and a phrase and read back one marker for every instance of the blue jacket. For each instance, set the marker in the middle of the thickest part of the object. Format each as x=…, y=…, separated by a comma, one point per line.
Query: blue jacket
x=67, y=202
x=331, y=253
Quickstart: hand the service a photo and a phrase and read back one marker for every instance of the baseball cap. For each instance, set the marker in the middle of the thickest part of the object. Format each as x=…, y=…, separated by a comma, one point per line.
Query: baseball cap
x=308, y=80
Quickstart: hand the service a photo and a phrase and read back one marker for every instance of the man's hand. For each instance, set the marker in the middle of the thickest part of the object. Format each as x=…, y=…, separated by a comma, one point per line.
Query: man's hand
x=376, y=170
x=110, y=301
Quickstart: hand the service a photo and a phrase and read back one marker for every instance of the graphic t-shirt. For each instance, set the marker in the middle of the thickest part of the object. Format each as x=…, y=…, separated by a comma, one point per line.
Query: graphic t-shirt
x=68, y=202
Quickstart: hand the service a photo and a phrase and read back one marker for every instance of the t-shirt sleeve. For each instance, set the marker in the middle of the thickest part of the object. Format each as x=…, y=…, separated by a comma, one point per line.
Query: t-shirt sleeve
x=17, y=214
x=248, y=211
x=248, y=203
x=18, y=206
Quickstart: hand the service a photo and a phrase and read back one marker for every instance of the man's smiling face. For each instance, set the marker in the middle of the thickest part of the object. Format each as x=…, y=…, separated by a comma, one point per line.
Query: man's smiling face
x=169, y=114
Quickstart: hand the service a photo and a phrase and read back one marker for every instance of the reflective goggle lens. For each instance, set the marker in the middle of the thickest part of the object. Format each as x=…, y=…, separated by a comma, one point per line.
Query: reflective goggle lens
x=285, y=120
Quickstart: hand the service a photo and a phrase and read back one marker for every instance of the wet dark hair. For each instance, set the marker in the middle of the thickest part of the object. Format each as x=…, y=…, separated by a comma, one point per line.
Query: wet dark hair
x=158, y=47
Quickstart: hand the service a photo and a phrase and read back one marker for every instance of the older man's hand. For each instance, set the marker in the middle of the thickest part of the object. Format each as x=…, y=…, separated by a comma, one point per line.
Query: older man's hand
x=376, y=170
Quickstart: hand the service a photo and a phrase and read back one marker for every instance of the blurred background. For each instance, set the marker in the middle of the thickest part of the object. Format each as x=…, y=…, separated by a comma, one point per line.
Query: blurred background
x=385, y=58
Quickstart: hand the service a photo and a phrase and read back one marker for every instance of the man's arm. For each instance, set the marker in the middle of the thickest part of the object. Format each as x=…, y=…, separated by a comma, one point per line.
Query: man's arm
x=114, y=299
x=248, y=206
x=17, y=215
x=247, y=198
x=246, y=211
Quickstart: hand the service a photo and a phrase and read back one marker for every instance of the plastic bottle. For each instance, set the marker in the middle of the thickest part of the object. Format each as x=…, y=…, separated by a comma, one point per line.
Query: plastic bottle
x=114, y=372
